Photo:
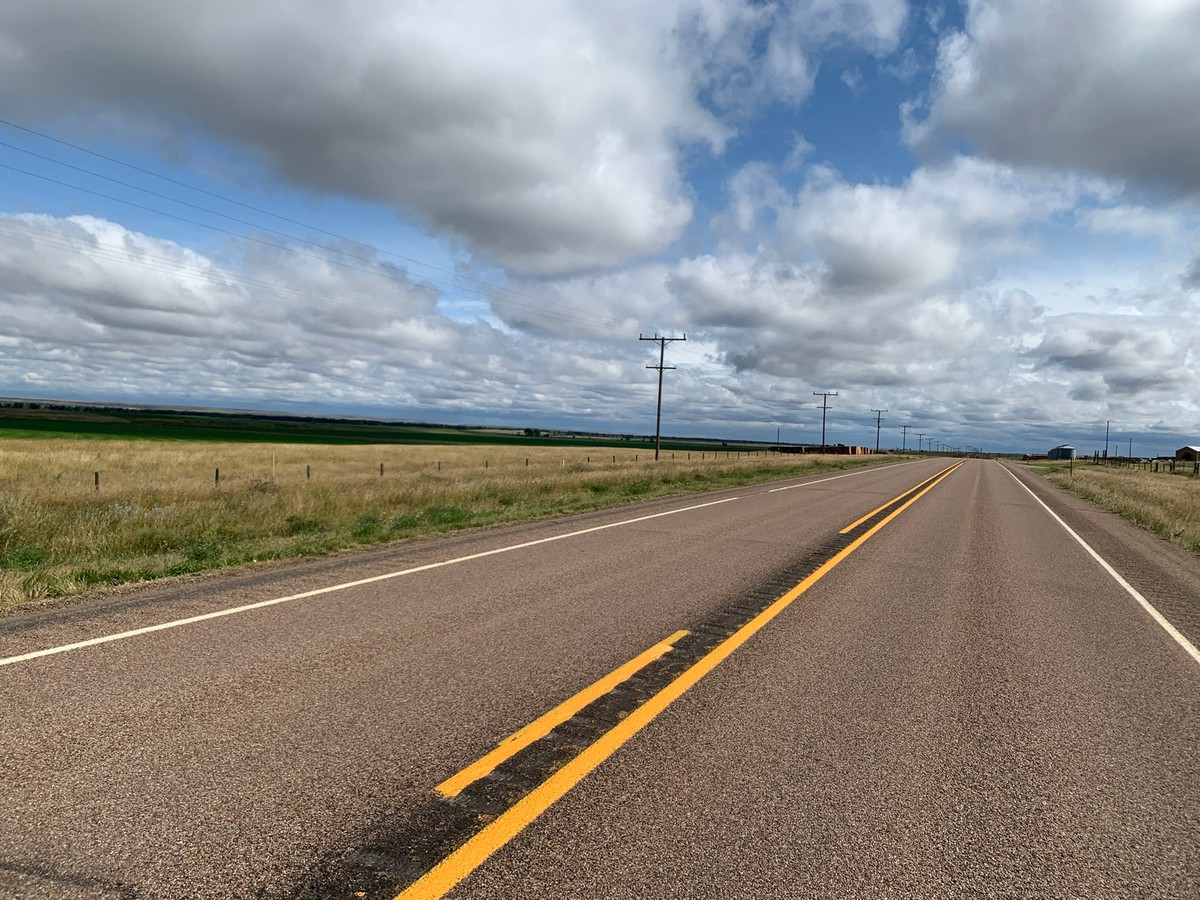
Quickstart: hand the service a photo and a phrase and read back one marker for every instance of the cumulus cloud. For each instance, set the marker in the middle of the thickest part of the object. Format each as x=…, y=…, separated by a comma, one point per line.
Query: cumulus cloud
x=94, y=304
x=1106, y=86
x=546, y=136
x=867, y=286
x=543, y=136
x=1129, y=355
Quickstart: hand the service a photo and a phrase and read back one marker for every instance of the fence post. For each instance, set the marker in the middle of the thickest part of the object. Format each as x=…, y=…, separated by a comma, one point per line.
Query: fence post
x=97, y=481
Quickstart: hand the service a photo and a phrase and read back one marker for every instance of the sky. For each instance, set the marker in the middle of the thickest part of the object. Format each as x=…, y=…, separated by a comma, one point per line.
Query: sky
x=980, y=218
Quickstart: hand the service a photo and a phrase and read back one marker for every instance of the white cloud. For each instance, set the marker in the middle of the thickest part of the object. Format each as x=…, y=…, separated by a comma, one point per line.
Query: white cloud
x=1106, y=86
x=543, y=135
x=1131, y=356
x=1132, y=220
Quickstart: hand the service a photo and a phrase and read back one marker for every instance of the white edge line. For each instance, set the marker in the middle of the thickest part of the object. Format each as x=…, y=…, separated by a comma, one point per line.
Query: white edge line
x=176, y=623
x=861, y=471
x=1132, y=591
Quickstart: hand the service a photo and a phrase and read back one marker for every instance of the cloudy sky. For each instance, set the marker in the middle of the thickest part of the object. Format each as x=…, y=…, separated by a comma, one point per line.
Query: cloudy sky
x=981, y=217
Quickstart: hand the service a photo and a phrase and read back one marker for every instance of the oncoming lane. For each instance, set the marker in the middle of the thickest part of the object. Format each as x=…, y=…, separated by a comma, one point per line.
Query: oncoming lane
x=239, y=749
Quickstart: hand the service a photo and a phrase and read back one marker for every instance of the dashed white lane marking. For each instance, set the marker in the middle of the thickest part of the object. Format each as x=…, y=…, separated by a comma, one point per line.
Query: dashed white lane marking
x=191, y=620
x=1130, y=589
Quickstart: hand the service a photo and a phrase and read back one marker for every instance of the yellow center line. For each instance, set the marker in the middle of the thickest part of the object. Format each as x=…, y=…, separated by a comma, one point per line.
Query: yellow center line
x=540, y=727
x=462, y=862
x=880, y=509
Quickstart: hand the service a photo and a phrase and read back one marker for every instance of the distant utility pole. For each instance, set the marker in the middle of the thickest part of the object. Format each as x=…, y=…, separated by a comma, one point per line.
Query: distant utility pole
x=662, y=352
x=825, y=395
x=904, y=438
x=878, y=419
x=1106, y=424
x=1131, y=448
x=920, y=438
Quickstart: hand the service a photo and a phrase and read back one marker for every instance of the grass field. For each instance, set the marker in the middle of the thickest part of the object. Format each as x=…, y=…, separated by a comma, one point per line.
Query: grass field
x=161, y=510
x=1166, y=504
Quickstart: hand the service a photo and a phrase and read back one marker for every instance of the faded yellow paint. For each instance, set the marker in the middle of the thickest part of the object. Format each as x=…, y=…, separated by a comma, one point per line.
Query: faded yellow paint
x=539, y=728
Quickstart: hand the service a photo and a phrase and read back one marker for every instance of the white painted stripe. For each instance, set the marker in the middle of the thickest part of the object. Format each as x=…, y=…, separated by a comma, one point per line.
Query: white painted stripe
x=177, y=623
x=1130, y=589
x=863, y=471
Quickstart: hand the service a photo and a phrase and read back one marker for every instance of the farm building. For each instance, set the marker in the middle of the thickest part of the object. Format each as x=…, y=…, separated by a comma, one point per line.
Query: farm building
x=1062, y=451
x=1188, y=454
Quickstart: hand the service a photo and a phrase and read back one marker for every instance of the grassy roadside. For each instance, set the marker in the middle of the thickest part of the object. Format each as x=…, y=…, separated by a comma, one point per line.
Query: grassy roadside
x=165, y=509
x=1166, y=504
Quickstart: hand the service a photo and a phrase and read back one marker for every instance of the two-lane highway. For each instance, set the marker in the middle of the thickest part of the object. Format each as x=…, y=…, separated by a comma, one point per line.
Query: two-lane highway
x=952, y=697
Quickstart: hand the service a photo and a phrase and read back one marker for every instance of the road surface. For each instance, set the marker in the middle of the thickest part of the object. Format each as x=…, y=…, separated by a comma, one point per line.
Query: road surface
x=938, y=678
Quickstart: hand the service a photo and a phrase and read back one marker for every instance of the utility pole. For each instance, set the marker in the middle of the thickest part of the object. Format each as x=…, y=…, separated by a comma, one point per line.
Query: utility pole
x=824, y=395
x=920, y=438
x=1106, y=424
x=662, y=352
x=904, y=439
x=878, y=419
x=1131, y=448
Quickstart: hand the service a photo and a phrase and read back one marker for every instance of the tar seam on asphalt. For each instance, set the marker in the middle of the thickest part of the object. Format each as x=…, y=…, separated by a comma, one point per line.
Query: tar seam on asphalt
x=399, y=848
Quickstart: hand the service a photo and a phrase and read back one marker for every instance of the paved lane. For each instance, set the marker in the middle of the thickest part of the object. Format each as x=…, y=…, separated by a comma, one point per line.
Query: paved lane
x=919, y=685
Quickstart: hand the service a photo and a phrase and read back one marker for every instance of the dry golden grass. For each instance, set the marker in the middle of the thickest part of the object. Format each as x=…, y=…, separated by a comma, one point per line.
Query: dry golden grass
x=160, y=510
x=1168, y=505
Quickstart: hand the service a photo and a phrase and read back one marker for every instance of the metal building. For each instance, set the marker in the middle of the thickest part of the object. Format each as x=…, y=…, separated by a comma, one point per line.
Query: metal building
x=1062, y=451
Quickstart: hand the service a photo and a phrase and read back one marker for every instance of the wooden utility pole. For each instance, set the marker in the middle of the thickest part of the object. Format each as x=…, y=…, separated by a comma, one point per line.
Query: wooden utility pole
x=662, y=352
x=824, y=395
x=878, y=419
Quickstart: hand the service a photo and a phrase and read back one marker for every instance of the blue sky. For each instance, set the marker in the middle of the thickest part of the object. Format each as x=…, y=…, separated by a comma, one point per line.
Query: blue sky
x=982, y=217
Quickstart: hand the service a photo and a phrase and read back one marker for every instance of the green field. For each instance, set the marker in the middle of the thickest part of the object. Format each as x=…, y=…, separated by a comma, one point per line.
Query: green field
x=233, y=427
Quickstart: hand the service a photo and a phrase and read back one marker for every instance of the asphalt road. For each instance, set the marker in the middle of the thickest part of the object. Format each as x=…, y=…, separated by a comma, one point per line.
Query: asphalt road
x=953, y=699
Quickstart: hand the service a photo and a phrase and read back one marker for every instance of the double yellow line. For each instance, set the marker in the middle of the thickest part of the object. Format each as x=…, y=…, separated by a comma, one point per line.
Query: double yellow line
x=461, y=862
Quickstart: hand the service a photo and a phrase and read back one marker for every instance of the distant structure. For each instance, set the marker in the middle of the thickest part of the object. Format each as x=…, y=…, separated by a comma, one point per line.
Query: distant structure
x=1188, y=454
x=841, y=449
x=1062, y=451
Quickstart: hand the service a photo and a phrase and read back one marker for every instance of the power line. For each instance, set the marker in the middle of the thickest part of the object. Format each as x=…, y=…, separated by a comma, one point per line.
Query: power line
x=570, y=313
x=662, y=350
x=372, y=269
